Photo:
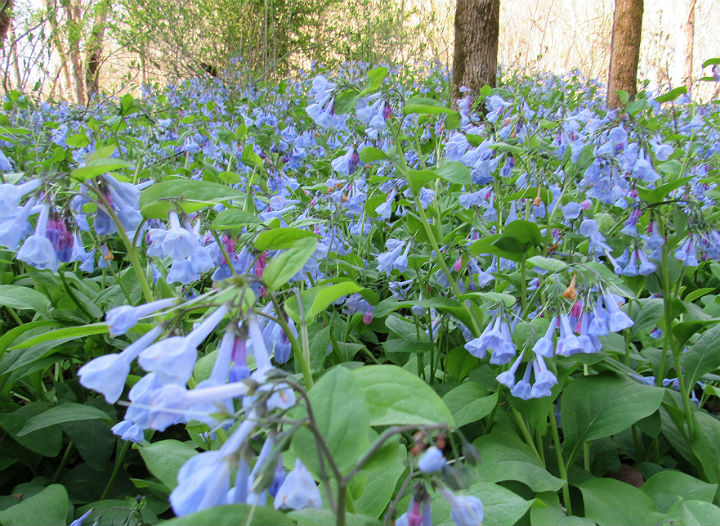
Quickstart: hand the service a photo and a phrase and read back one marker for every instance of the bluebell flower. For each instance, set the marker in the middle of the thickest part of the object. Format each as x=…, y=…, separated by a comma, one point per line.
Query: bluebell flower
x=544, y=346
x=122, y=319
x=432, y=460
x=107, y=374
x=298, y=490
x=523, y=389
x=618, y=319
x=544, y=379
x=178, y=243
x=37, y=250
x=5, y=165
x=79, y=521
x=686, y=252
x=182, y=271
x=571, y=210
x=568, y=343
x=465, y=510
x=11, y=195
x=507, y=378
x=15, y=226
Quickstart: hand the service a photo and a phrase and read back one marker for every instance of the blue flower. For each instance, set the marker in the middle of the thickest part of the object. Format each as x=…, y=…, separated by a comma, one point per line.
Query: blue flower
x=122, y=319
x=432, y=460
x=37, y=250
x=298, y=490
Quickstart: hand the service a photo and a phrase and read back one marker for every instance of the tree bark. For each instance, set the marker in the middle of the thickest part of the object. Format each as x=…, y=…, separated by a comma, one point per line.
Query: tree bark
x=6, y=7
x=624, y=49
x=689, y=43
x=477, y=26
x=74, y=17
x=93, y=58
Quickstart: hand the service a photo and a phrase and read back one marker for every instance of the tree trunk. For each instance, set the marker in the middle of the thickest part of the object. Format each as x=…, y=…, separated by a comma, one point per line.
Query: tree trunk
x=74, y=17
x=93, y=58
x=689, y=43
x=477, y=25
x=6, y=7
x=625, y=49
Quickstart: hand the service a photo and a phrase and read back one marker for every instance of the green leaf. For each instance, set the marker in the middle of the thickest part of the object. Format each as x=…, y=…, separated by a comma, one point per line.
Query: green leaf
x=341, y=415
x=288, y=263
x=65, y=334
x=501, y=506
x=454, y=172
x=165, y=458
x=672, y=94
x=20, y=298
x=495, y=297
x=279, y=238
x=79, y=140
x=549, y=264
x=250, y=158
x=233, y=515
x=370, y=154
x=610, y=502
x=658, y=194
x=519, y=237
x=702, y=357
x=68, y=412
x=234, y=218
x=546, y=511
x=623, y=95
x=694, y=513
x=47, y=442
x=599, y=406
x=191, y=195
x=98, y=167
x=345, y=101
x=426, y=106
x=668, y=487
x=375, y=78
x=468, y=402
x=706, y=445
x=710, y=62
x=419, y=178
x=382, y=473
x=49, y=508
x=685, y=329
x=509, y=148
x=104, y=152
x=386, y=390
x=317, y=299
x=323, y=517
x=506, y=457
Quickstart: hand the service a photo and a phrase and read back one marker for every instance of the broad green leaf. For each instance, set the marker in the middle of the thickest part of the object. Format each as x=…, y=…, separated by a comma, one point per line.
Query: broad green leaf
x=20, y=298
x=546, y=511
x=672, y=94
x=426, y=106
x=382, y=474
x=288, y=263
x=191, y=195
x=279, y=238
x=647, y=316
x=370, y=154
x=317, y=299
x=703, y=357
x=98, y=167
x=694, y=513
x=49, y=508
x=610, y=502
x=623, y=95
x=234, y=218
x=706, y=445
x=68, y=412
x=233, y=515
x=165, y=458
x=509, y=148
x=668, y=487
x=519, y=237
x=341, y=415
x=78, y=140
x=375, y=78
x=711, y=62
x=599, y=406
x=250, y=158
x=495, y=297
x=549, y=264
x=506, y=457
x=657, y=195
x=345, y=101
x=323, y=517
x=469, y=402
x=454, y=172
x=419, y=178
x=65, y=334
x=104, y=152
x=685, y=329
x=501, y=506
x=46, y=442
x=386, y=390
